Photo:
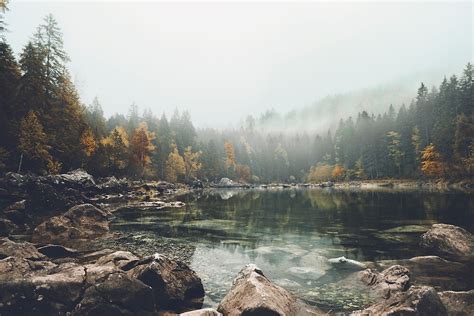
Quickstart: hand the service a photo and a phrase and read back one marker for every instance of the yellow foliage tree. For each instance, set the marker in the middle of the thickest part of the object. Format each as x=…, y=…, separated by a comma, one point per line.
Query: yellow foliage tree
x=320, y=172
x=116, y=146
x=191, y=163
x=88, y=143
x=175, y=166
x=431, y=164
x=141, y=147
x=338, y=172
x=243, y=173
x=230, y=154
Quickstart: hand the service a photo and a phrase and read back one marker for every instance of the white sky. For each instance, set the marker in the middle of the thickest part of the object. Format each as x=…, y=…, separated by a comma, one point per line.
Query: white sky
x=222, y=61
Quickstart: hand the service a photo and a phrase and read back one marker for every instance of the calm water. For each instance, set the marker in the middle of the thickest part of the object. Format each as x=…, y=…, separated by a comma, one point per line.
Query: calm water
x=288, y=233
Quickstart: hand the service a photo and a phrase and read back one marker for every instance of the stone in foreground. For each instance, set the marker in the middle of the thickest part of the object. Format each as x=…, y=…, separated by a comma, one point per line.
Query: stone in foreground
x=449, y=242
x=253, y=294
x=174, y=284
x=418, y=300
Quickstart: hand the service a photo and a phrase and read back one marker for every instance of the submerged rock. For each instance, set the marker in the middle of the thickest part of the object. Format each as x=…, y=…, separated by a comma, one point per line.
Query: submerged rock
x=344, y=263
x=417, y=300
x=83, y=221
x=253, y=294
x=458, y=303
x=57, y=251
x=202, y=312
x=450, y=242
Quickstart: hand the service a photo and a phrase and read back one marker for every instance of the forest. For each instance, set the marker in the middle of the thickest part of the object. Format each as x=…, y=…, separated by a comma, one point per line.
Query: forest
x=45, y=128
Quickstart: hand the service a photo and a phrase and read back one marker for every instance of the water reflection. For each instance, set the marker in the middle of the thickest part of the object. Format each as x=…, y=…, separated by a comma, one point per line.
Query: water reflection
x=289, y=233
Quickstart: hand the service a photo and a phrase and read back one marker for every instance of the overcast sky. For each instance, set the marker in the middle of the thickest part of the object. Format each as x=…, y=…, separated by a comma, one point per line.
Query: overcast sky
x=222, y=61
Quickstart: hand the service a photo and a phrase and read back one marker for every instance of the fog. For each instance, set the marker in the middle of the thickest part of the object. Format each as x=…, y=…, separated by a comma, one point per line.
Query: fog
x=224, y=61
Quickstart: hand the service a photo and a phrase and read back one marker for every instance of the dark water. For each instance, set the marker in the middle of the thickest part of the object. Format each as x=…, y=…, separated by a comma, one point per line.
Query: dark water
x=288, y=233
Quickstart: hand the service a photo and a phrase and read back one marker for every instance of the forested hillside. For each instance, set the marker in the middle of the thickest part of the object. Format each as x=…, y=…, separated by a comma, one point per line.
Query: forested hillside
x=44, y=127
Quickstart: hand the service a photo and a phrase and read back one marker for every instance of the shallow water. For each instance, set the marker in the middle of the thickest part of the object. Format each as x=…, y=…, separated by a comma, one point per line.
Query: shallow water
x=289, y=233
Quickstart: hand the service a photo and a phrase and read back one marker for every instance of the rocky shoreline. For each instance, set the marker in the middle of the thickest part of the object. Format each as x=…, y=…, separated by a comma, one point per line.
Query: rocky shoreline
x=59, y=263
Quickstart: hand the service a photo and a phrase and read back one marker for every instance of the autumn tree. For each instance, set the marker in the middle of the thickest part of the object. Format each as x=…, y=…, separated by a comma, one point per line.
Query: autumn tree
x=175, y=166
x=243, y=173
x=320, y=172
x=89, y=145
x=338, y=172
x=116, y=148
x=191, y=163
x=431, y=164
x=230, y=158
x=141, y=147
x=33, y=144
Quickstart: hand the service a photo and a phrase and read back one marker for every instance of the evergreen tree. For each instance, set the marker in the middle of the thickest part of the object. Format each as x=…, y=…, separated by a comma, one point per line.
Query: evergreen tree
x=9, y=77
x=33, y=144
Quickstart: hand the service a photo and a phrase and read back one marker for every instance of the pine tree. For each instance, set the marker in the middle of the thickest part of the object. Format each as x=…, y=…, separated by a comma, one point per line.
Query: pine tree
x=9, y=77
x=33, y=143
x=48, y=39
x=463, y=138
x=394, y=150
x=95, y=119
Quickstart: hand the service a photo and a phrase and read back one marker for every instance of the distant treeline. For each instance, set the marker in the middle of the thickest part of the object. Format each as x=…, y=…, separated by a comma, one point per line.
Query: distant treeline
x=44, y=127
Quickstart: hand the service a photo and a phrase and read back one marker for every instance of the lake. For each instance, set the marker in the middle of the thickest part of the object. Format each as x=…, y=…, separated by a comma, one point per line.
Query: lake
x=288, y=233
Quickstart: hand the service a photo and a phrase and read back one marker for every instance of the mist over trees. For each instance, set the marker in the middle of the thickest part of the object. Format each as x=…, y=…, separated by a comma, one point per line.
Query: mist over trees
x=44, y=127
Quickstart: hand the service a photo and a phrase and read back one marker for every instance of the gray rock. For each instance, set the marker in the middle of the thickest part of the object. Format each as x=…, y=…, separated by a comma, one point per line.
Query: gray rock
x=417, y=300
x=392, y=280
x=81, y=222
x=175, y=286
x=120, y=259
x=344, y=263
x=202, y=312
x=458, y=303
x=22, y=250
x=449, y=242
x=253, y=294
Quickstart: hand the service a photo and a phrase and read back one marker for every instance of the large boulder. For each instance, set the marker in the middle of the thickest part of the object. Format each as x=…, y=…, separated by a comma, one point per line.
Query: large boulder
x=254, y=294
x=436, y=272
x=175, y=286
x=23, y=250
x=109, y=291
x=384, y=284
x=458, y=303
x=30, y=285
x=81, y=222
x=449, y=242
x=417, y=300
